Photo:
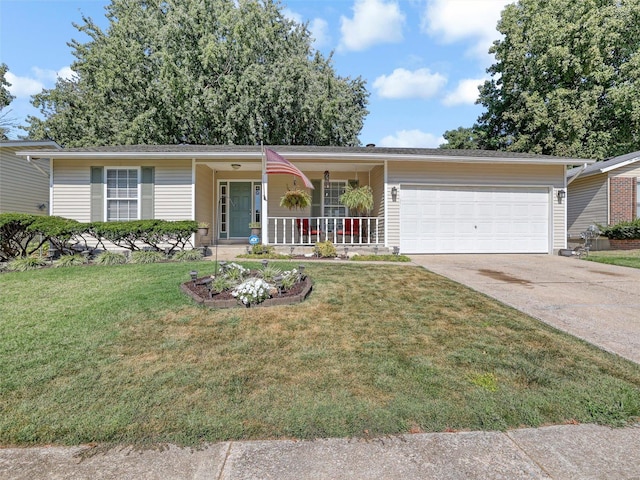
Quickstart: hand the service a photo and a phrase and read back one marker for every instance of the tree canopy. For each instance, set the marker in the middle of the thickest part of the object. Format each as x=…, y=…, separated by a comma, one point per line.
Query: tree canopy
x=199, y=72
x=565, y=80
x=5, y=99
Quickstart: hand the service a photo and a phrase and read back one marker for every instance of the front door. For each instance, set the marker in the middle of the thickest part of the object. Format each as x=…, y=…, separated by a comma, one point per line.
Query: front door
x=239, y=209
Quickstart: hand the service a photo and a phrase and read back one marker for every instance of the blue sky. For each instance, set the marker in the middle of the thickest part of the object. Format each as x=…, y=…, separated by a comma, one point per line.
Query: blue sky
x=422, y=59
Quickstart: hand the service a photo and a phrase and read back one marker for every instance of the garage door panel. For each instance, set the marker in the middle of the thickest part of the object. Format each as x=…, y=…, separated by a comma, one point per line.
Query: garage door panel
x=474, y=220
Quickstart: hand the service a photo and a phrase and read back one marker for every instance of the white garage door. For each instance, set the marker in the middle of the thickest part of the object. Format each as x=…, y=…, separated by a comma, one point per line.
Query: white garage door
x=474, y=219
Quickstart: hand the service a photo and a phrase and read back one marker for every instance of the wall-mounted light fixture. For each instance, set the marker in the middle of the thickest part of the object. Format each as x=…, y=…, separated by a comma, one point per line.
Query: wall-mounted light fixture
x=235, y=166
x=561, y=194
x=394, y=193
x=326, y=178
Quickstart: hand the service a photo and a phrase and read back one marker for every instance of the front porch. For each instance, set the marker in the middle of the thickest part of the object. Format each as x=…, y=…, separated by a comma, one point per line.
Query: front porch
x=234, y=198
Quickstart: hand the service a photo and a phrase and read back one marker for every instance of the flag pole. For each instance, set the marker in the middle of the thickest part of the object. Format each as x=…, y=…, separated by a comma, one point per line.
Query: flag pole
x=264, y=219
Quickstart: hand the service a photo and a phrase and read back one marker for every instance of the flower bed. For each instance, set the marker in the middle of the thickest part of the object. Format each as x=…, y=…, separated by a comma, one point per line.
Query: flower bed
x=250, y=290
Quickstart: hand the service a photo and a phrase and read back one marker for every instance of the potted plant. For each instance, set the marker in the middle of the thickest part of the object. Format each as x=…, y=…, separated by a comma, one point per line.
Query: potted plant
x=358, y=199
x=255, y=228
x=203, y=229
x=295, y=198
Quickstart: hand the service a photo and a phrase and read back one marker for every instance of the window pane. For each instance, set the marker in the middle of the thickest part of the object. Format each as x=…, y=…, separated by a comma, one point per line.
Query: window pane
x=122, y=185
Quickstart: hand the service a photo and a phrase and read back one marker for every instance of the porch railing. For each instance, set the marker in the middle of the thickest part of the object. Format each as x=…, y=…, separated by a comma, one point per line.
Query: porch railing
x=338, y=230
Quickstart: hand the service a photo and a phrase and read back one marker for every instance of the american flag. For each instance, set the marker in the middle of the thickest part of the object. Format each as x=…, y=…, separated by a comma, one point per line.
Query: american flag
x=277, y=164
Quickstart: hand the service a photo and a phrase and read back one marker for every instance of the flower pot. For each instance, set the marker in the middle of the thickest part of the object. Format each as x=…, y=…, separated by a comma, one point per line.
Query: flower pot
x=203, y=232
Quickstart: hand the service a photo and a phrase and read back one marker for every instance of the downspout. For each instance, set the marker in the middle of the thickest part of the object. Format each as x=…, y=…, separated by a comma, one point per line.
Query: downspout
x=577, y=174
x=36, y=166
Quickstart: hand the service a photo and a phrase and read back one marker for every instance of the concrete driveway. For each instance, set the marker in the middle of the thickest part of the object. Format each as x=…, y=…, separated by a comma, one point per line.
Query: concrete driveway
x=596, y=302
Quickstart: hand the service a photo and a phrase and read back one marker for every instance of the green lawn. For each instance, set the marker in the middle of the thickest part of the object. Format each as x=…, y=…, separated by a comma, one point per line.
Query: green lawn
x=119, y=355
x=624, y=258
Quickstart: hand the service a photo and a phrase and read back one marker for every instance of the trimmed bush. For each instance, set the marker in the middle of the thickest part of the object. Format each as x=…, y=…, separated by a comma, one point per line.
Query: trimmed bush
x=137, y=234
x=622, y=230
x=22, y=234
x=325, y=249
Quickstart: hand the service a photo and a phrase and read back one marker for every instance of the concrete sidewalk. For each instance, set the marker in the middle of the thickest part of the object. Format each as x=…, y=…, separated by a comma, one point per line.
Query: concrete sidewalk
x=556, y=452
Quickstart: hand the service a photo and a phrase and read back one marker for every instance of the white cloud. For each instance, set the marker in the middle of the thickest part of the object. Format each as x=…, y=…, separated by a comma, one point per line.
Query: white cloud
x=412, y=139
x=466, y=93
x=403, y=83
x=66, y=73
x=318, y=27
x=373, y=22
x=320, y=32
x=457, y=20
x=291, y=15
x=23, y=87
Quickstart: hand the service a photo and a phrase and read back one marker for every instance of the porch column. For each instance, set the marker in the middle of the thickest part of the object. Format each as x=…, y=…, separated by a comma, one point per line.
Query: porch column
x=264, y=218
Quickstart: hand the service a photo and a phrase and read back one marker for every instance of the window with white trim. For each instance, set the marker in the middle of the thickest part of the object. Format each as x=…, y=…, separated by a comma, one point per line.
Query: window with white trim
x=122, y=194
x=332, y=192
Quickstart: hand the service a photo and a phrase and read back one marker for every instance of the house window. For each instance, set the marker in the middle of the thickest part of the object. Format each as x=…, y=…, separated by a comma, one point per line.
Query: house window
x=122, y=194
x=331, y=205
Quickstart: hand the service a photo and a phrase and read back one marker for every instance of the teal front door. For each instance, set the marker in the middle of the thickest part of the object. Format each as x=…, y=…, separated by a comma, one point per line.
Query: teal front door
x=239, y=209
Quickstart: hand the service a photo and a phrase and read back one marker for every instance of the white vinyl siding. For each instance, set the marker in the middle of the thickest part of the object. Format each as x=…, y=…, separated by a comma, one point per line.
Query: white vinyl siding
x=587, y=203
x=465, y=174
x=173, y=190
x=23, y=188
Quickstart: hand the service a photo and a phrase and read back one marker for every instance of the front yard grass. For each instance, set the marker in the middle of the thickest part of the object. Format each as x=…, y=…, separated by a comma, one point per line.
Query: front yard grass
x=118, y=354
x=624, y=258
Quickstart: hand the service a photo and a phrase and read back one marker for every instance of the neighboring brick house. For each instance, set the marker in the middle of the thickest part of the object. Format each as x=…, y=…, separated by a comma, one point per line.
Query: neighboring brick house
x=604, y=193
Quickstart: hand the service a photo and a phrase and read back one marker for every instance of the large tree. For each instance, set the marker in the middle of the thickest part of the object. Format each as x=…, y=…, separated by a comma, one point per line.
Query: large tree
x=462, y=138
x=5, y=99
x=200, y=72
x=566, y=79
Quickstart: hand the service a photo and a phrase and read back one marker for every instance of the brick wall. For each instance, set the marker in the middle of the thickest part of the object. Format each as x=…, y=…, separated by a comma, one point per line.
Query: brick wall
x=622, y=199
x=625, y=244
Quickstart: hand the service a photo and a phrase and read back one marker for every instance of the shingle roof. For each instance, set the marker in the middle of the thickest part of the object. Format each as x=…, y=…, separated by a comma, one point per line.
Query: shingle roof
x=438, y=152
x=605, y=165
x=442, y=152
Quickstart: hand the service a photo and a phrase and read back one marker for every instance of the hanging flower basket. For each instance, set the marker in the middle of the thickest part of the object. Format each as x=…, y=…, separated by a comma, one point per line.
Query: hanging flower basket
x=293, y=199
x=359, y=199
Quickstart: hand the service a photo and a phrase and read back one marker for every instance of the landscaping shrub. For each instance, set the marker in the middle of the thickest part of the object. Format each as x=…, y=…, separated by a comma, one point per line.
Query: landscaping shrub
x=269, y=272
x=325, y=249
x=22, y=264
x=622, y=230
x=111, y=258
x=22, y=234
x=260, y=249
x=137, y=234
x=192, y=255
x=69, y=261
x=144, y=256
